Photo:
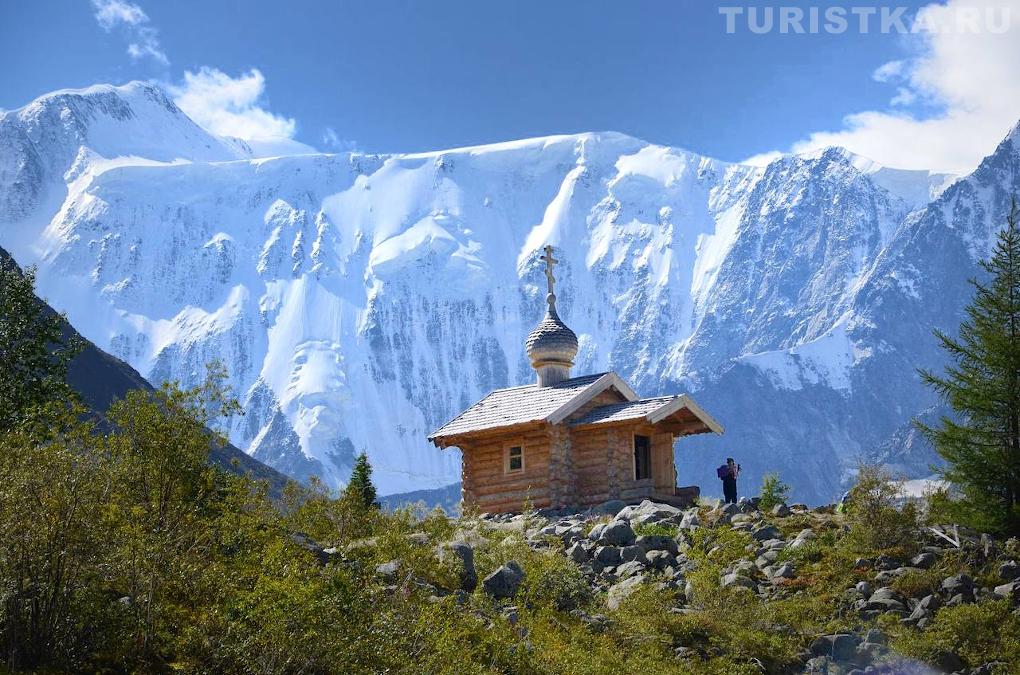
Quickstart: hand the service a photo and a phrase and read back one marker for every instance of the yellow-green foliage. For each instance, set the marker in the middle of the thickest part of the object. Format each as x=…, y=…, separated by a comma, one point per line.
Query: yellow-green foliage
x=127, y=552
x=877, y=525
x=655, y=530
x=977, y=633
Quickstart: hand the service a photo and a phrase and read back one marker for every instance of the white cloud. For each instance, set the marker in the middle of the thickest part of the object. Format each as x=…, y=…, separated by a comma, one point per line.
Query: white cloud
x=133, y=22
x=970, y=76
x=332, y=140
x=231, y=106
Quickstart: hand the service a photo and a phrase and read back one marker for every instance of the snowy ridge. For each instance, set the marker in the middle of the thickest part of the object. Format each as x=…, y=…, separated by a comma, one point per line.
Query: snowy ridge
x=359, y=301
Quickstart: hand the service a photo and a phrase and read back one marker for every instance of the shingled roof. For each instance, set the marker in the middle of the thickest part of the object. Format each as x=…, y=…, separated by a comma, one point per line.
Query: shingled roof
x=530, y=403
x=654, y=410
x=617, y=412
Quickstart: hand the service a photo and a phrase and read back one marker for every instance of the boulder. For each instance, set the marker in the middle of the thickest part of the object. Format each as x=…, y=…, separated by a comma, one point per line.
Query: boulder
x=619, y=592
x=462, y=554
x=596, y=532
x=838, y=646
x=657, y=542
x=924, y=560
x=781, y=510
x=577, y=553
x=766, y=532
x=1009, y=570
x=608, y=556
x=648, y=511
x=864, y=588
x=784, y=571
x=504, y=582
x=607, y=508
x=629, y=569
x=736, y=580
x=389, y=570
x=618, y=533
x=633, y=552
x=958, y=584
x=1009, y=590
x=660, y=559
x=690, y=520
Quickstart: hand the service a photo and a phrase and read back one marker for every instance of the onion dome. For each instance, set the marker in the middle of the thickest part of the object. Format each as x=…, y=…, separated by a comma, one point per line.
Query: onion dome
x=551, y=346
x=552, y=341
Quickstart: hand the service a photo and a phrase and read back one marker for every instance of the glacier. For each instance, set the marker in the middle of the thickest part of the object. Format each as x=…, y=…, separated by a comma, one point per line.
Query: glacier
x=360, y=300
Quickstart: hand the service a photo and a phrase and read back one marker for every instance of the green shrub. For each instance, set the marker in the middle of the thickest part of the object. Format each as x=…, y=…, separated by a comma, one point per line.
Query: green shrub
x=773, y=492
x=977, y=633
x=876, y=523
x=655, y=529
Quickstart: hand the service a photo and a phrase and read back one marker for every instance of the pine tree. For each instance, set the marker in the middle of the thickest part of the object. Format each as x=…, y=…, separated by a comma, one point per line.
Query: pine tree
x=981, y=442
x=360, y=488
x=34, y=352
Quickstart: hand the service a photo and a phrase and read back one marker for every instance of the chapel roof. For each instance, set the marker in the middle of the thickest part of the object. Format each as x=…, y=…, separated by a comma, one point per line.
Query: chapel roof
x=530, y=403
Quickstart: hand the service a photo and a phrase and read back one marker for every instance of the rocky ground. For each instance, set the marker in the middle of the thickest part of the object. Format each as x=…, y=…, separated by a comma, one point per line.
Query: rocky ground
x=711, y=559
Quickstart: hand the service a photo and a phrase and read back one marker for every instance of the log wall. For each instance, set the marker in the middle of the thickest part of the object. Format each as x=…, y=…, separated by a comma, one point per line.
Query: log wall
x=485, y=482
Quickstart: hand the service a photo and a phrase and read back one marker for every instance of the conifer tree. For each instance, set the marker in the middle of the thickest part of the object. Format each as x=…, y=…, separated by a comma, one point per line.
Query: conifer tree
x=34, y=352
x=360, y=489
x=981, y=441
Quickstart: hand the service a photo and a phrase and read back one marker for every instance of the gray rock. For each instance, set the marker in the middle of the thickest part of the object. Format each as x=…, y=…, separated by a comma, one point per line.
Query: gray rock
x=924, y=560
x=609, y=507
x=1009, y=570
x=463, y=556
x=864, y=588
x=607, y=556
x=784, y=571
x=389, y=570
x=596, y=532
x=838, y=647
x=781, y=510
x=634, y=552
x=660, y=559
x=658, y=543
x=618, y=533
x=619, y=592
x=958, y=584
x=504, y=582
x=690, y=520
x=925, y=608
x=884, y=562
x=649, y=511
x=735, y=580
x=1009, y=590
x=766, y=532
x=629, y=569
x=577, y=553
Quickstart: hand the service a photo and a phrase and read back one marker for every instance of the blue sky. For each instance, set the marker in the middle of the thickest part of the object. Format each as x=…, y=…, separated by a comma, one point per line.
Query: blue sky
x=409, y=76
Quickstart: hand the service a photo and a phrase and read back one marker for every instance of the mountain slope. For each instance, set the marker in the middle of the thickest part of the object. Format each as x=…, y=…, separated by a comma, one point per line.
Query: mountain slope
x=100, y=379
x=359, y=301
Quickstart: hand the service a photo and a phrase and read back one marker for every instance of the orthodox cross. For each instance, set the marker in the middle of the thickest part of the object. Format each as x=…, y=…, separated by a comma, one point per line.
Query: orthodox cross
x=550, y=279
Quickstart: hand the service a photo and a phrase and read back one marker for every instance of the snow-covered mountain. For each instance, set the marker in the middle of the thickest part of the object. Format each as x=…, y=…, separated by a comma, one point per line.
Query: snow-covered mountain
x=361, y=300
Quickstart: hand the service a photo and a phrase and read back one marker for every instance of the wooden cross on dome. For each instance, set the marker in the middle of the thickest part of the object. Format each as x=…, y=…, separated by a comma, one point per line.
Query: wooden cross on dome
x=550, y=279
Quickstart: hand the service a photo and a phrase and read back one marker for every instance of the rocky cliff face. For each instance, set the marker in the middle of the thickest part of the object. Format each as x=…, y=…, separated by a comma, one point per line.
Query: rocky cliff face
x=361, y=300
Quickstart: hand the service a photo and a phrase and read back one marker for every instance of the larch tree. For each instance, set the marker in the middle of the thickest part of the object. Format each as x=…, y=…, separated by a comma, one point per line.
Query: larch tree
x=981, y=440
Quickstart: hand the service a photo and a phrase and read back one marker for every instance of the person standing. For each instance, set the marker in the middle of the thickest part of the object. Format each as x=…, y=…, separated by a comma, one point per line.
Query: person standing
x=728, y=473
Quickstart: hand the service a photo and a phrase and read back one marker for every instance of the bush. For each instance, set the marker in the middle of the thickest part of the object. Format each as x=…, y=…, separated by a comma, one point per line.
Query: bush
x=655, y=530
x=876, y=523
x=773, y=492
x=977, y=633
